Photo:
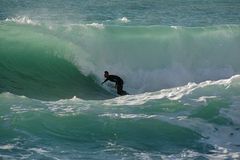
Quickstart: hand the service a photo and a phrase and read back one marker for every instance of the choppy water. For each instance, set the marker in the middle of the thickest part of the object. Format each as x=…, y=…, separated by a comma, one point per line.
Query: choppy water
x=179, y=60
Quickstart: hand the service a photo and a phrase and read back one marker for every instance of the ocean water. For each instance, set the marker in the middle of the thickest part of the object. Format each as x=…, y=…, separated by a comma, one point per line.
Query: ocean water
x=179, y=61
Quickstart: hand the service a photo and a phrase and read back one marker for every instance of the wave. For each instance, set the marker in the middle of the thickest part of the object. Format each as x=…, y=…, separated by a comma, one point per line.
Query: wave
x=148, y=58
x=32, y=64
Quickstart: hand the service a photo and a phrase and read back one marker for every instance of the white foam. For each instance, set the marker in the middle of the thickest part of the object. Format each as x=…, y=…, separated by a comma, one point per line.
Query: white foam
x=124, y=20
x=22, y=20
x=96, y=25
x=38, y=150
x=176, y=27
x=7, y=147
x=143, y=156
x=186, y=154
x=178, y=93
x=126, y=116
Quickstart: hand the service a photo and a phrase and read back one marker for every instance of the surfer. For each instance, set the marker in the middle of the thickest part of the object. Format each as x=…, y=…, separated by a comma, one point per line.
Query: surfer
x=118, y=82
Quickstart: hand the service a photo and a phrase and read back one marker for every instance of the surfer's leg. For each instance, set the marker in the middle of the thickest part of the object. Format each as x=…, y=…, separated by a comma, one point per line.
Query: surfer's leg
x=119, y=89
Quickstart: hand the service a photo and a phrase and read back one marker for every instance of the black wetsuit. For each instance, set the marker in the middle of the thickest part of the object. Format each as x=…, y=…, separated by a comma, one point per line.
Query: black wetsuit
x=119, y=83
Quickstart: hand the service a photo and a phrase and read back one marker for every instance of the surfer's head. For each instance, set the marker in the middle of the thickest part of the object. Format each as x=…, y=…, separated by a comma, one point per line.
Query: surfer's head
x=106, y=74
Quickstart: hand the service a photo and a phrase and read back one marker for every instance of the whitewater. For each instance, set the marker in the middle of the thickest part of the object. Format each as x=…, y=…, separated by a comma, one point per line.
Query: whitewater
x=179, y=62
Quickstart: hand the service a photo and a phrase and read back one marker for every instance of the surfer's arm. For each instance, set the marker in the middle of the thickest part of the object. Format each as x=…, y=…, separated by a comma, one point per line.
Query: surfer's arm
x=105, y=81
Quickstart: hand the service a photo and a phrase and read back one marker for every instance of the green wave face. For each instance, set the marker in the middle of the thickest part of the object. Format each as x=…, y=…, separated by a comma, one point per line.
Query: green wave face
x=32, y=64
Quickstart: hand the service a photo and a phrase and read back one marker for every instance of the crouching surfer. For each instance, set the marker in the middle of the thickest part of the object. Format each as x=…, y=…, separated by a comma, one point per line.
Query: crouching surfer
x=118, y=82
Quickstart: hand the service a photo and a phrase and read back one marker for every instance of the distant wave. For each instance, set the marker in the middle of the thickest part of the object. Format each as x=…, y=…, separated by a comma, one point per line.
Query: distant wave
x=22, y=20
x=124, y=20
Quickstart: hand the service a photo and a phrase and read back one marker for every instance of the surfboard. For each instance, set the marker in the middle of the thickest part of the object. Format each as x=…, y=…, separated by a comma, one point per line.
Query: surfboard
x=124, y=93
x=113, y=90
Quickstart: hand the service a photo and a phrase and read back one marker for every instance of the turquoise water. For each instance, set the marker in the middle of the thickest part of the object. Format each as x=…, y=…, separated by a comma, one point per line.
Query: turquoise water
x=179, y=61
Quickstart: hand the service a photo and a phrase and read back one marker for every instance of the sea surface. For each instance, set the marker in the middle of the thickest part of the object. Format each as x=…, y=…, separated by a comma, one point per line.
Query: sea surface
x=179, y=59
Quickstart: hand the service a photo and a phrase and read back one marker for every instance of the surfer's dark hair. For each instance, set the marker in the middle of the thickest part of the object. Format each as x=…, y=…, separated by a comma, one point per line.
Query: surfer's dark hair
x=106, y=72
